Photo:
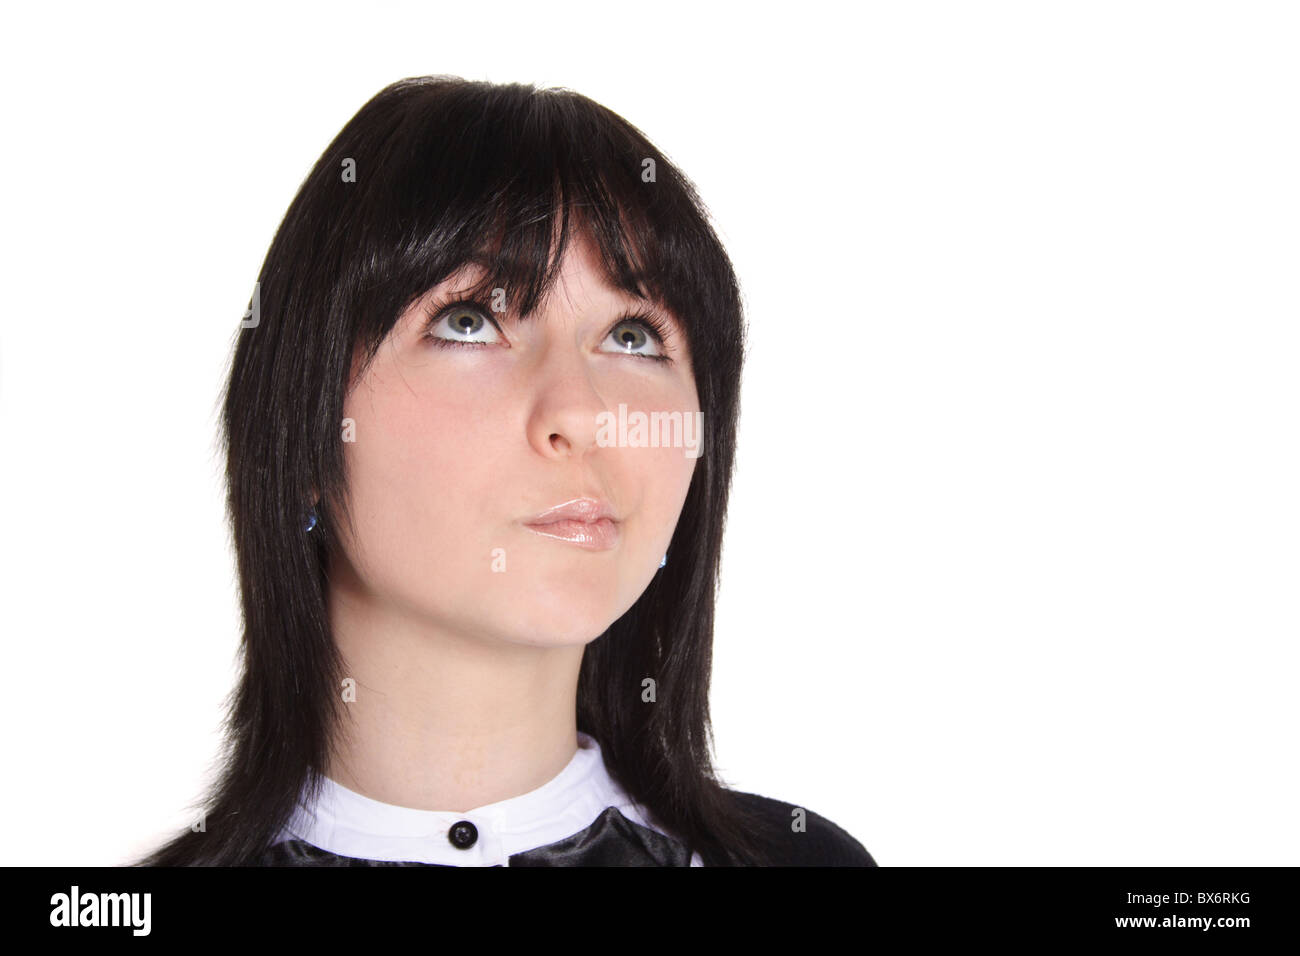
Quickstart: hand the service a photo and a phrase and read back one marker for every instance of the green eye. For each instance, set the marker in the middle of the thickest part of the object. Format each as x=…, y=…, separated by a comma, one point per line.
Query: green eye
x=466, y=321
x=633, y=334
x=630, y=337
x=464, y=324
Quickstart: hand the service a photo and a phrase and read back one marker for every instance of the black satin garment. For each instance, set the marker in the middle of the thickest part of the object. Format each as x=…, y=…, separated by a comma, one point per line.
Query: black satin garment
x=612, y=840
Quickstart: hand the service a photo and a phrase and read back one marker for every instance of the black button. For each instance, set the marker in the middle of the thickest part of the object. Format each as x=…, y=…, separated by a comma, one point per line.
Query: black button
x=463, y=835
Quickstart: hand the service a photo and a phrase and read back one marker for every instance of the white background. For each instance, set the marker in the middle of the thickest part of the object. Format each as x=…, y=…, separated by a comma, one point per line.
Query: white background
x=1011, y=567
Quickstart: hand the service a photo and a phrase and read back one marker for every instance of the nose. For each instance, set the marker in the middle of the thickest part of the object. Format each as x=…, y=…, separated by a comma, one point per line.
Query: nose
x=564, y=419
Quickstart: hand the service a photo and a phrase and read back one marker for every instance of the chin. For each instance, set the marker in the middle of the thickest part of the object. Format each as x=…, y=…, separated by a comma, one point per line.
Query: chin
x=568, y=625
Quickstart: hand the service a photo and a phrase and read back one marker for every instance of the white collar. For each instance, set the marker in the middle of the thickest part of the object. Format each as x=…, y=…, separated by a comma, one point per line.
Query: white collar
x=350, y=824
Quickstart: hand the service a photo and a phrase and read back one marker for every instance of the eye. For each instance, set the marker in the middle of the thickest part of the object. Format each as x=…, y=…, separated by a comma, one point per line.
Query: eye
x=463, y=323
x=635, y=333
x=641, y=335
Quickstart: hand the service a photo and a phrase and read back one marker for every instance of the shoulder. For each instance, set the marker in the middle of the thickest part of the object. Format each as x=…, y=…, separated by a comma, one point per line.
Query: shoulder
x=802, y=837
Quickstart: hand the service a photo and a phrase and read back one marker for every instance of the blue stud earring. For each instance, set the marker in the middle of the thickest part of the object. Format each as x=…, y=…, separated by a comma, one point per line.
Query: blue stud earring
x=663, y=561
x=311, y=520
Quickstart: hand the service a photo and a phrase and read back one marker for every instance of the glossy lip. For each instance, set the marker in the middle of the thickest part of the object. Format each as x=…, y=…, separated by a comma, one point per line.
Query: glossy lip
x=576, y=509
x=587, y=522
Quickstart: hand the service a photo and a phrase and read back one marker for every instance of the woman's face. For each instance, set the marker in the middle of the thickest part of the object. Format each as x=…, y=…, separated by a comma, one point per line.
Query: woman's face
x=455, y=449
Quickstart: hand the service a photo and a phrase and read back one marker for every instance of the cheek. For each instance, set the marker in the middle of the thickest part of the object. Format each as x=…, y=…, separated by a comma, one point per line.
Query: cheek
x=420, y=480
x=663, y=477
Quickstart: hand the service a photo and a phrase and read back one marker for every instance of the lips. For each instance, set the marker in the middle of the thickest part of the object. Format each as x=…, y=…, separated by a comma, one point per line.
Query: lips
x=588, y=523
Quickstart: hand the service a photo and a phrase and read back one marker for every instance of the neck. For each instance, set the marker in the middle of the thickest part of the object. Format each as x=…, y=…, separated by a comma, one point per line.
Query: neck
x=445, y=720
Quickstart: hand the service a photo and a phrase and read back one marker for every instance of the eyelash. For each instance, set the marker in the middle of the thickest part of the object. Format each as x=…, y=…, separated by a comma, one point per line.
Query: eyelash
x=653, y=324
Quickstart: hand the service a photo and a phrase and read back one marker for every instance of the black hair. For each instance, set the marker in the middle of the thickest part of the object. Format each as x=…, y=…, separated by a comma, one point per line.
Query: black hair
x=444, y=171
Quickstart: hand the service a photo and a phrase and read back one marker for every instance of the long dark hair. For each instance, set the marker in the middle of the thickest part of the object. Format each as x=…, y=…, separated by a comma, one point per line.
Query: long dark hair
x=431, y=173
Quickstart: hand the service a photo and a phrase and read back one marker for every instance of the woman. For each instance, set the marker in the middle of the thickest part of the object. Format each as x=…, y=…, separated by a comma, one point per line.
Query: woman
x=477, y=590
